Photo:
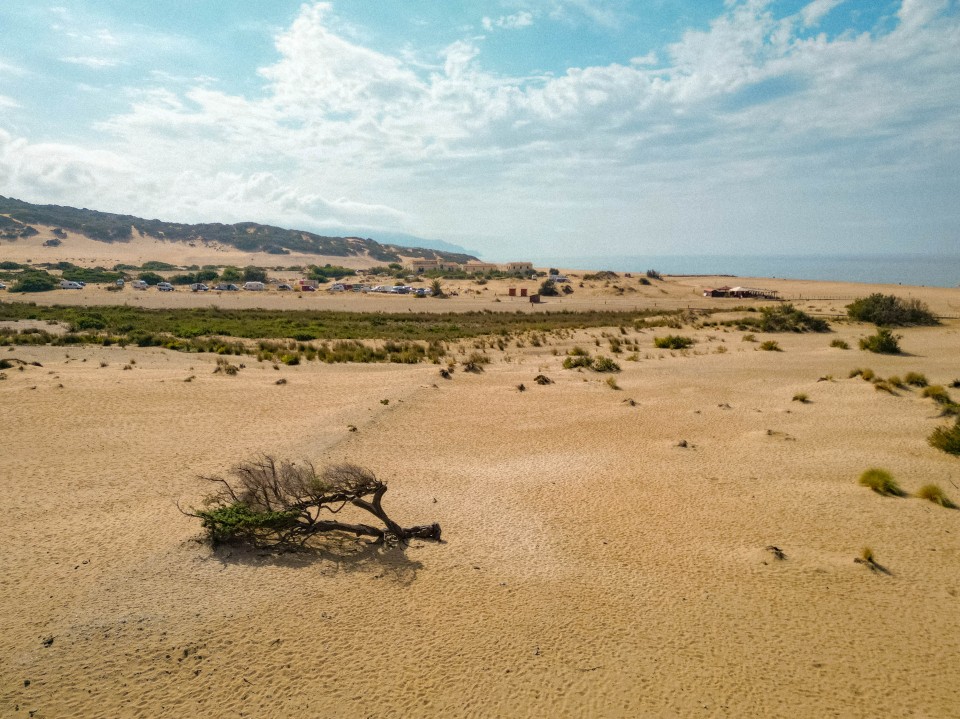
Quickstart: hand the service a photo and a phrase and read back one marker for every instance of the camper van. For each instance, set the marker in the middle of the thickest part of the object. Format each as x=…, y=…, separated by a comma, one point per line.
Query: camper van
x=68, y=285
x=256, y=286
x=139, y=284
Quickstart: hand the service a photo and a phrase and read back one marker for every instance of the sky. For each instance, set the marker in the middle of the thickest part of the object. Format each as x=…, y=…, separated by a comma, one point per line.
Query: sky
x=516, y=128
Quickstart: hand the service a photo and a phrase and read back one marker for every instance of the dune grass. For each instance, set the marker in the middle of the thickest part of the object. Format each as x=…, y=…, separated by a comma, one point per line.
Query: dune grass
x=881, y=482
x=933, y=493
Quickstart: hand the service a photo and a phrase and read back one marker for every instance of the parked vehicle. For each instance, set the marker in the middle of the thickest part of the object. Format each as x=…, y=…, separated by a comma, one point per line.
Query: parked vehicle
x=198, y=287
x=254, y=286
x=70, y=285
x=225, y=287
x=2, y=286
x=284, y=287
x=120, y=282
x=165, y=287
x=139, y=285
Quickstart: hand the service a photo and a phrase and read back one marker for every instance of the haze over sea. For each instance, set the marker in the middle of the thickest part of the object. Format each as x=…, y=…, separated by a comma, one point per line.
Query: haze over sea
x=906, y=269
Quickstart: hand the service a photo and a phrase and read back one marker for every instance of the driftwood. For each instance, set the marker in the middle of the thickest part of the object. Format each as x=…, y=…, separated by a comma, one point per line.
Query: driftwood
x=270, y=502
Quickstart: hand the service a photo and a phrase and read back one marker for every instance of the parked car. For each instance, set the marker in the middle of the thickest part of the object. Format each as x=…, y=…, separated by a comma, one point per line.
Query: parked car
x=284, y=287
x=120, y=282
x=139, y=285
x=198, y=287
x=165, y=287
x=2, y=286
x=70, y=285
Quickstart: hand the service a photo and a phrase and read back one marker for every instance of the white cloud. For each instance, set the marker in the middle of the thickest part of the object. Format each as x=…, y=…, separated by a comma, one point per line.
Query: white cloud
x=96, y=63
x=8, y=103
x=813, y=13
x=348, y=136
x=509, y=22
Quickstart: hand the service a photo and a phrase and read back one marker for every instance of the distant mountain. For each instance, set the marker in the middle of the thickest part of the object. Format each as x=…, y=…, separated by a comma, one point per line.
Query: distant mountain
x=399, y=239
x=17, y=219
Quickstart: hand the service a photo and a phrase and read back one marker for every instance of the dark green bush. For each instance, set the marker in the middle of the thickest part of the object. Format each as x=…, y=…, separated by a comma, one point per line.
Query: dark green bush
x=604, y=364
x=35, y=281
x=548, y=288
x=891, y=311
x=883, y=342
x=673, y=342
x=787, y=318
x=151, y=278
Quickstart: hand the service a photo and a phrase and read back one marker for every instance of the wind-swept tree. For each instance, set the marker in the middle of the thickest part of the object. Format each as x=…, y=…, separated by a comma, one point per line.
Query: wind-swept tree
x=268, y=502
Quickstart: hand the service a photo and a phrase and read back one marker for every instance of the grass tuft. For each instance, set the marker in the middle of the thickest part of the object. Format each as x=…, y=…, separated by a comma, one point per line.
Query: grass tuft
x=933, y=493
x=881, y=482
x=916, y=379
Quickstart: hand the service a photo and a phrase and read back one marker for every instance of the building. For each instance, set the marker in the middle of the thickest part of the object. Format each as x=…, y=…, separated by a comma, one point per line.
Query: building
x=474, y=266
x=519, y=267
x=424, y=265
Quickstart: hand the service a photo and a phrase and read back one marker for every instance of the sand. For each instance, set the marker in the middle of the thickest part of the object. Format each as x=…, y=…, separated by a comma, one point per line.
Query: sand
x=591, y=567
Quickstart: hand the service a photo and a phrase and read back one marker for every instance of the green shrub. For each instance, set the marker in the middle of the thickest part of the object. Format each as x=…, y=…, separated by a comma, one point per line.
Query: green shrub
x=577, y=352
x=895, y=381
x=801, y=397
x=151, y=278
x=840, y=344
x=156, y=265
x=576, y=361
x=867, y=375
x=891, y=311
x=548, y=288
x=933, y=493
x=673, y=342
x=612, y=383
x=787, y=318
x=604, y=364
x=238, y=522
x=749, y=337
x=881, y=482
x=770, y=346
x=35, y=281
x=855, y=373
x=946, y=439
x=884, y=342
x=916, y=379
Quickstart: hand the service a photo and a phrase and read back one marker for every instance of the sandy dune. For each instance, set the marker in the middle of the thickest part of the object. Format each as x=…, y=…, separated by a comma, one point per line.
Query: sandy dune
x=591, y=566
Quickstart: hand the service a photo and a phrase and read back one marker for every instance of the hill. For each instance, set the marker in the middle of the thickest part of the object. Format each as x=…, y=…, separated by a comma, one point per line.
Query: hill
x=18, y=219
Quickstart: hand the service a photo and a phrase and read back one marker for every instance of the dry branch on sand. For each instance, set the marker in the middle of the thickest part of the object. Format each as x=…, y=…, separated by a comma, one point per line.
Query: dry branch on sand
x=266, y=502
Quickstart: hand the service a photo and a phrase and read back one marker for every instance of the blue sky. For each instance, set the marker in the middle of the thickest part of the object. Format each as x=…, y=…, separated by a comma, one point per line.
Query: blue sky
x=542, y=128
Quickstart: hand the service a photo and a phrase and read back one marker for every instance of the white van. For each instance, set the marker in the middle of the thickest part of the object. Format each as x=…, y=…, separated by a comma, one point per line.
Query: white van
x=256, y=286
x=139, y=284
x=69, y=285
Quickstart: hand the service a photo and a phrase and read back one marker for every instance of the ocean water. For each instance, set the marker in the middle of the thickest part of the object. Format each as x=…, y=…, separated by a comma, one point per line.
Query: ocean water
x=921, y=270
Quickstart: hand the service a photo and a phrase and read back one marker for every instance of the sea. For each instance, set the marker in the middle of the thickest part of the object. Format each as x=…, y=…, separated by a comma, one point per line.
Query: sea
x=904, y=269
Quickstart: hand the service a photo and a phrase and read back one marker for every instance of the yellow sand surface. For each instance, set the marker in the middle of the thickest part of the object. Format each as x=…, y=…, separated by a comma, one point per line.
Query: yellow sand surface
x=590, y=567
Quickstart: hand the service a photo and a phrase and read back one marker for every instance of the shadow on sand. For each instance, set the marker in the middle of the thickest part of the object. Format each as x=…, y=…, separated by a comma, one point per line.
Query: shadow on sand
x=331, y=554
